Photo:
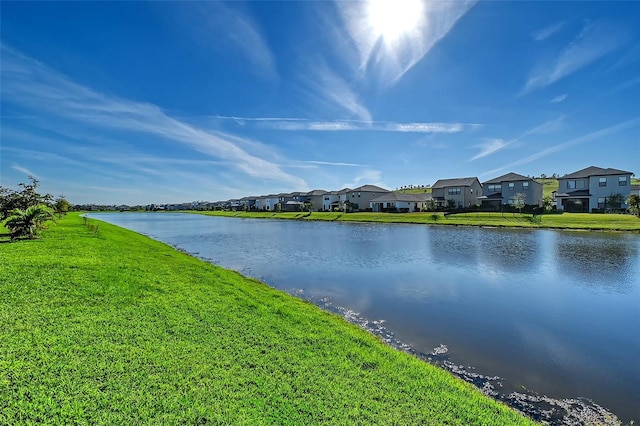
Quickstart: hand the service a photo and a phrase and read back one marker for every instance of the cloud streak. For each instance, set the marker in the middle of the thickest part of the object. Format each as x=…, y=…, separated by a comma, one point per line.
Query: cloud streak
x=595, y=41
x=559, y=98
x=546, y=32
x=608, y=131
x=303, y=124
x=491, y=146
x=31, y=84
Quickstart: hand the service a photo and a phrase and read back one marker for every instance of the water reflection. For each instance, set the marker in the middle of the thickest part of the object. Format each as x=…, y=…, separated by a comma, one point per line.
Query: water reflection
x=598, y=261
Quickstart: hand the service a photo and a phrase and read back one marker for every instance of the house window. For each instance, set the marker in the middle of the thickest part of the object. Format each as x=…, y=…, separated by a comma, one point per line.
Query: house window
x=601, y=202
x=525, y=185
x=326, y=198
x=602, y=181
x=453, y=191
x=575, y=184
x=622, y=181
x=495, y=188
x=511, y=186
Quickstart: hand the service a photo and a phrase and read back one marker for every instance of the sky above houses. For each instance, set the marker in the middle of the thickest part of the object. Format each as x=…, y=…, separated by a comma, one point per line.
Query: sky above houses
x=158, y=102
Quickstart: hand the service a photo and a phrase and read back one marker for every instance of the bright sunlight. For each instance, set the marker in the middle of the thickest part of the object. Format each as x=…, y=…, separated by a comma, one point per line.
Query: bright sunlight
x=391, y=19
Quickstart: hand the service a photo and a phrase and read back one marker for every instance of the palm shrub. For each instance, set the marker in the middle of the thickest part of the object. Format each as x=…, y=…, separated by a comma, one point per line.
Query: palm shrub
x=29, y=222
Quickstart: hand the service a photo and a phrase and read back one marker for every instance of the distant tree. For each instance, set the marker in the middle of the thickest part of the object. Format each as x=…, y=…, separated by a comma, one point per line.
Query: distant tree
x=543, y=176
x=614, y=201
x=633, y=201
x=519, y=201
x=547, y=202
x=61, y=206
x=451, y=204
x=28, y=223
x=431, y=205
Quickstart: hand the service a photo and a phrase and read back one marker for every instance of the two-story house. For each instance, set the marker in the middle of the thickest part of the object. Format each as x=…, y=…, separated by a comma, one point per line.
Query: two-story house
x=463, y=192
x=316, y=198
x=503, y=189
x=360, y=197
x=593, y=188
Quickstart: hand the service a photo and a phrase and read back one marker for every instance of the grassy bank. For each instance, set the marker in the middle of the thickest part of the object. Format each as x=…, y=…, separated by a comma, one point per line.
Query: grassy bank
x=603, y=222
x=112, y=327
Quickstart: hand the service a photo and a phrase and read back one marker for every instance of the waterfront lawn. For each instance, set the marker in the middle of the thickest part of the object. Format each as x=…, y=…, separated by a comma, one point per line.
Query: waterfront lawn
x=587, y=221
x=109, y=327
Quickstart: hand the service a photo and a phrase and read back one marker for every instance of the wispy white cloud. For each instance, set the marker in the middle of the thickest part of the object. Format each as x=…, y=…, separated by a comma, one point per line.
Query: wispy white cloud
x=33, y=85
x=595, y=41
x=216, y=25
x=327, y=87
x=24, y=170
x=366, y=177
x=328, y=163
x=546, y=32
x=491, y=146
x=390, y=59
x=599, y=134
x=559, y=98
x=300, y=124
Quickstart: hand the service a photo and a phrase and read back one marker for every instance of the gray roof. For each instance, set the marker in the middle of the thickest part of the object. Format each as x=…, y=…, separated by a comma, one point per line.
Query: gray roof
x=444, y=183
x=400, y=196
x=316, y=192
x=509, y=177
x=344, y=190
x=370, y=188
x=594, y=171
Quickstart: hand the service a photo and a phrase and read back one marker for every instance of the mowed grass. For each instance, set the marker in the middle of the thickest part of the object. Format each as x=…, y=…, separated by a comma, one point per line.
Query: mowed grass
x=586, y=221
x=114, y=328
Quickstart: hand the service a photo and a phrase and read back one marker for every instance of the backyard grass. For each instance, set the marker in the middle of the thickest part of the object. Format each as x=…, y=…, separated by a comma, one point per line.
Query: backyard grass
x=105, y=326
x=548, y=186
x=586, y=221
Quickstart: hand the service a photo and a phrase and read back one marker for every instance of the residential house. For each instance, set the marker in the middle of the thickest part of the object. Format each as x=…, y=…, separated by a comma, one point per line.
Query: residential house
x=400, y=202
x=360, y=197
x=291, y=201
x=635, y=189
x=591, y=188
x=463, y=192
x=341, y=203
x=503, y=189
x=329, y=201
x=316, y=198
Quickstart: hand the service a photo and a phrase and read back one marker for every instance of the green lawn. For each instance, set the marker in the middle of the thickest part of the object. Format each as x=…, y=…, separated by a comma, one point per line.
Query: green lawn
x=611, y=222
x=110, y=327
x=548, y=186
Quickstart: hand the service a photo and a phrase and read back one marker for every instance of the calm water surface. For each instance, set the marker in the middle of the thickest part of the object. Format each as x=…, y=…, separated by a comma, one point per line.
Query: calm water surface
x=554, y=312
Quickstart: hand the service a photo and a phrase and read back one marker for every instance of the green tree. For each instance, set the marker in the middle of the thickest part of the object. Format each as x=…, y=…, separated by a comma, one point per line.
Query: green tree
x=633, y=201
x=61, y=206
x=615, y=201
x=21, y=199
x=28, y=223
x=519, y=201
x=547, y=202
x=451, y=204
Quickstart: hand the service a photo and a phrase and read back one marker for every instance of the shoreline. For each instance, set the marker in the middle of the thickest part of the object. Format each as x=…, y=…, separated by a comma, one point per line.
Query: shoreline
x=561, y=222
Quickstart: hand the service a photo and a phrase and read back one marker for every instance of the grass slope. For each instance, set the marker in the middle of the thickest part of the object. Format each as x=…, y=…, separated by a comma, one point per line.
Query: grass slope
x=114, y=328
x=603, y=222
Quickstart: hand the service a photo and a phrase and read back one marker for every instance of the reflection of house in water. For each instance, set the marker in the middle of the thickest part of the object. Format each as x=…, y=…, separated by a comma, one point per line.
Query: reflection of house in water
x=598, y=260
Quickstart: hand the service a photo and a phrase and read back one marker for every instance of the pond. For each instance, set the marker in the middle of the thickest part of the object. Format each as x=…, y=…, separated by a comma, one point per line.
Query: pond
x=534, y=316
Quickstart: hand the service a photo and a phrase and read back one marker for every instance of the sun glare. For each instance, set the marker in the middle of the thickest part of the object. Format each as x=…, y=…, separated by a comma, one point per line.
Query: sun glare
x=390, y=19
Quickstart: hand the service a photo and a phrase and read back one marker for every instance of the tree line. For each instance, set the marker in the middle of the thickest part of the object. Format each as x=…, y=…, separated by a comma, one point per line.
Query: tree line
x=26, y=211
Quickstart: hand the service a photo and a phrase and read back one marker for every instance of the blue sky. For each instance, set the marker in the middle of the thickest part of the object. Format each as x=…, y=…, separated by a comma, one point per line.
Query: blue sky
x=141, y=102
